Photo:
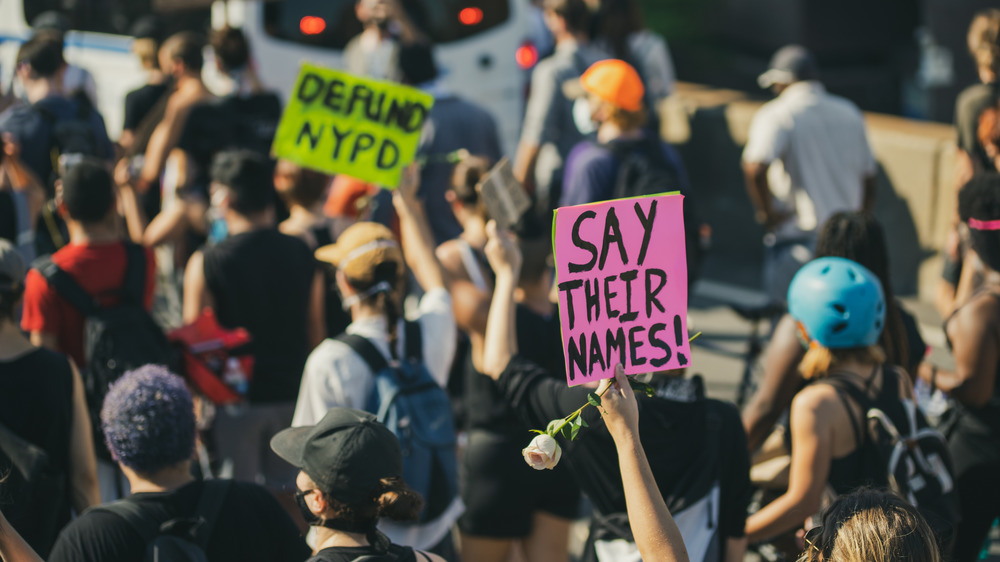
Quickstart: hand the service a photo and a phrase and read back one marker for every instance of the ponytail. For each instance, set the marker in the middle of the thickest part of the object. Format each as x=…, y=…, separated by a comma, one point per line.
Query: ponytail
x=396, y=501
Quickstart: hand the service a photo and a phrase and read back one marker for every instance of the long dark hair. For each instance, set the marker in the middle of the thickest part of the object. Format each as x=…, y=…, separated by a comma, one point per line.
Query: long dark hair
x=616, y=20
x=858, y=237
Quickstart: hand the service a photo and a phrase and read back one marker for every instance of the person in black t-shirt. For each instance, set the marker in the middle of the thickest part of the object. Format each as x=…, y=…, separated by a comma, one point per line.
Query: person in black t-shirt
x=267, y=283
x=677, y=425
x=149, y=427
x=351, y=475
x=139, y=103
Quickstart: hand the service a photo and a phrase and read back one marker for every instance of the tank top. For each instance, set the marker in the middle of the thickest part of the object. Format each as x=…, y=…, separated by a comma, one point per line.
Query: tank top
x=847, y=472
x=984, y=420
x=36, y=403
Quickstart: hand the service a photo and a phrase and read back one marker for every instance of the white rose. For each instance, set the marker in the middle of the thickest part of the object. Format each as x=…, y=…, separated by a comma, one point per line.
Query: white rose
x=543, y=452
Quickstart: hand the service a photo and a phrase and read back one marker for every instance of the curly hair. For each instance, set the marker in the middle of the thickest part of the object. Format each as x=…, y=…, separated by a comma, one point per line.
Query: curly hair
x=984, y=39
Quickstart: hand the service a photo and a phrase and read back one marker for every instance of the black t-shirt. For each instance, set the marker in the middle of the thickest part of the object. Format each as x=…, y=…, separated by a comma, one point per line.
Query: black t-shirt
x=251, y=526
x=139, y=102
x=969, y=106
x=673, y=432
x=350, y=554
x=538, y=340
x=261, y=280
x=36, y=403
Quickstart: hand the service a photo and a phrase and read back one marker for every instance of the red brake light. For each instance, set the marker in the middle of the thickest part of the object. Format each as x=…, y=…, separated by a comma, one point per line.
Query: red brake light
x=470, y=16
x=312, y=25
x=526, y=55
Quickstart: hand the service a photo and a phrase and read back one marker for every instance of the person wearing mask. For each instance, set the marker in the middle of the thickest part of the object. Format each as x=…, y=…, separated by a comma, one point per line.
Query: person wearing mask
x=973, y=428
x=677, y=424
x=266, y=282
x=826, y=421
x=453, y=124
x=858, y=237
x=371, y=275
x=375, y=51
x=350, y=476
x=42, y=401
x=620, y=30
x=31, y=126
x=550, y=131
x=972, y=156
x=807, y=156
x=149, y=425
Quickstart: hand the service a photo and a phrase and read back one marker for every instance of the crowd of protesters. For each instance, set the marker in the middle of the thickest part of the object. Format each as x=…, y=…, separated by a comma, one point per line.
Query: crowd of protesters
x=204, y=349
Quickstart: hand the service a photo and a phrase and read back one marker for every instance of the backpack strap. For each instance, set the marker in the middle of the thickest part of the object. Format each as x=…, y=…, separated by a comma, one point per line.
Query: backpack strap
x=213, y=494
x=414, y=341
x=66, y=286
x=366, y=349
x=135, y=274
x=138, y=518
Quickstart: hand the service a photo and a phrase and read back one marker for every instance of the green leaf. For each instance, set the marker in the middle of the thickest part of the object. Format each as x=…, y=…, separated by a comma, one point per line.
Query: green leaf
x=551, y=428
x=583, y=422
x=594, y=399
x=567, y=432
x=574, y=431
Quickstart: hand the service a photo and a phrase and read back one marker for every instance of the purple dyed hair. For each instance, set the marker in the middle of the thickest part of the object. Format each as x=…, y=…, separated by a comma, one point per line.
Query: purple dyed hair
x=148, y=419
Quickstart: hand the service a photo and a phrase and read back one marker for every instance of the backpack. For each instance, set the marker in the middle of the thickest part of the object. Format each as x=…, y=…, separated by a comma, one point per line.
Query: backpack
x=116, y=339
x=644, y=170
x=29, y=481
x=408, y=400
x=181, y=539
x=902, y=452
x=611, y=538
x=393, y=554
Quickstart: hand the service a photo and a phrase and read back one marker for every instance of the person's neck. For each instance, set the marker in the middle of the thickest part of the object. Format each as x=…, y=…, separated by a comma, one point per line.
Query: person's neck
x=568, y=38
x=609, y=131
x=862, y=370
x=164, y=480
x=103, y=232
x=364, y=311
x=305, y=215
x=329, y=538
x=13, y=344
x=535, y=296
x=378, y=33
x=238, y=224
x=155, y=76
x=475, y=232
x=188, y=81
x=41, y=88
x=987, y=75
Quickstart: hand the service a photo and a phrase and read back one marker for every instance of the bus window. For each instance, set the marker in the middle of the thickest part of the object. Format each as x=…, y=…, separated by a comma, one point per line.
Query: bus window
x=332, y=23
x=116, y=16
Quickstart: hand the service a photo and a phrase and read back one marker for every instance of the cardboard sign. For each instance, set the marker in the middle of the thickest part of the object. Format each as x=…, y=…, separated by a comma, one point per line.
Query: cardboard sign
x=622, y=275
x=344, y=124
x=504, y=196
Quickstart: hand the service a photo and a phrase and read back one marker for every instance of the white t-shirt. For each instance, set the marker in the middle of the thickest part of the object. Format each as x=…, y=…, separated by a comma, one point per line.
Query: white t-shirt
x=337, y=376
x=818, y=152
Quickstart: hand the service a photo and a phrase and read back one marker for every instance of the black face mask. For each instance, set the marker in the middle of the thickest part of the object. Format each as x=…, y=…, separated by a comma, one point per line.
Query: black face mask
x=316, y=521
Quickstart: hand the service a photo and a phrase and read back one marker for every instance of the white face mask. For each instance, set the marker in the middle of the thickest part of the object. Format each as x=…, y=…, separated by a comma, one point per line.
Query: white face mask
x=582, y=116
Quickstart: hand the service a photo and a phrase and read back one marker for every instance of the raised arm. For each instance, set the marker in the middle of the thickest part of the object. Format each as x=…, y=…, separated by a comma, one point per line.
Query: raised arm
x=655, y=532
x=418, y=243
x=501, y=334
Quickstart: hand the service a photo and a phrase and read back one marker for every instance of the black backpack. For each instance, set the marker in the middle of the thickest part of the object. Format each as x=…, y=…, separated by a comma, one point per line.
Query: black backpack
x=182, y=539
x=407, y=399
x=902, y=452
x=116, y=339
x=31, y=481
x=644, y=170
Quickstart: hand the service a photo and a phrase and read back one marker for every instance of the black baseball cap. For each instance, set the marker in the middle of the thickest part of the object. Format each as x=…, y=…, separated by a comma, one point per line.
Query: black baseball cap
x=347, y=453
x=792, y=63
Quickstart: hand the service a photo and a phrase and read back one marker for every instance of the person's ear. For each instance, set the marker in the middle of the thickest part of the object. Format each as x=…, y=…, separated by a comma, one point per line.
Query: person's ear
x=317, y=502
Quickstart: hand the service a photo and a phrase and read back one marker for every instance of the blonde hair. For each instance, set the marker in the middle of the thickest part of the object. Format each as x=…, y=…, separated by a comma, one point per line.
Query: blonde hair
x=146, y=49
x=984, y=39
x=871, y=526
x=819, y=360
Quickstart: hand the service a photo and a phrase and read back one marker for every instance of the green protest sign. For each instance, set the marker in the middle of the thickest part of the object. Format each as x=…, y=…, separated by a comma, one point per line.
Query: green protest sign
x=345, y=124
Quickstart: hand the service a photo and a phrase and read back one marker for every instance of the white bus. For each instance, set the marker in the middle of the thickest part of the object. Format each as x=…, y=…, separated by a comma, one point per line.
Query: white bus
x=481, y=45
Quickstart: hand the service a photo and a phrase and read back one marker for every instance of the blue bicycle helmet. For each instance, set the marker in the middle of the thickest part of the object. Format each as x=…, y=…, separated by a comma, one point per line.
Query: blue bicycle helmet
x=840, y=303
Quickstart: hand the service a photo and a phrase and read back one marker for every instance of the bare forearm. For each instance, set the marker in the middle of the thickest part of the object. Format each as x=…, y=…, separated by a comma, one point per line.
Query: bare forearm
x=500, y=346
x=418, y=247
x=655, y=532
x=783, y=514
x=758, y=191
x=13, y=548
x=524, y=165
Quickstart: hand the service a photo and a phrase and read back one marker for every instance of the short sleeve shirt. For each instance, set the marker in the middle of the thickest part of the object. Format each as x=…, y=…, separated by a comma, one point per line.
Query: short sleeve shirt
x=818, y=154
x=100, y=270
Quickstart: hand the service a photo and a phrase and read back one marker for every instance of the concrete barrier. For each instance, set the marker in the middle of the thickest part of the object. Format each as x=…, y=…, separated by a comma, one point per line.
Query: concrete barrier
x=915, y=197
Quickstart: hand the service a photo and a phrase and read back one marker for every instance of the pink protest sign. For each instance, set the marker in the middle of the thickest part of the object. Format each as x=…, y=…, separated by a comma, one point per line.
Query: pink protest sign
x=622, y=277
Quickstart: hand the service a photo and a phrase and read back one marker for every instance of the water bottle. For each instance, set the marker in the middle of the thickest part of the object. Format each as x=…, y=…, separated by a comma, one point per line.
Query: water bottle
x=236, y=379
